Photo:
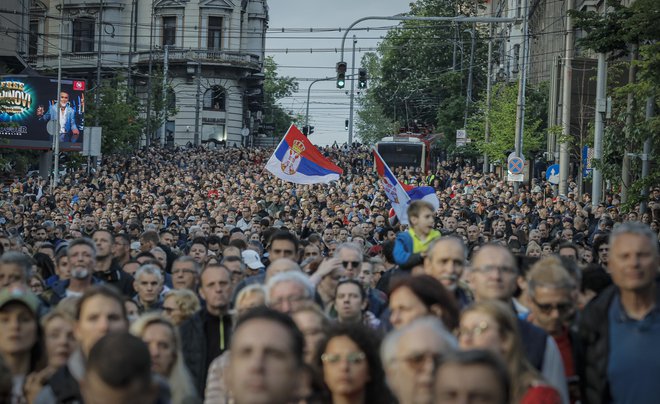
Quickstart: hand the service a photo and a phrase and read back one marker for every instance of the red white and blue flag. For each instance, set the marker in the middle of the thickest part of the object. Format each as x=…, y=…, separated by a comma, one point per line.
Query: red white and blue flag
x=297, y=160
x=398, y=197
x=424, y=193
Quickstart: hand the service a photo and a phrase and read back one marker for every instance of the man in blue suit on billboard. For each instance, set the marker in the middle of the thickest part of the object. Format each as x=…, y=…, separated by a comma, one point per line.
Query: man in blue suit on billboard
x=67, y=119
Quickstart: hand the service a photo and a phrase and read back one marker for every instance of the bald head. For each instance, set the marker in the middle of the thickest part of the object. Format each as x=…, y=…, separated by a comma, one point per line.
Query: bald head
x=493, y=273
x=281, y=265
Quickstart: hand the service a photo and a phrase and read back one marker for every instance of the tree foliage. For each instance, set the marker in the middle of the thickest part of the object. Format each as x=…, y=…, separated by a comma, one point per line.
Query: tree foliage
x=503, y=122
x=119, y=116
x=275, y=88
x=615, y=33
x=413, y=78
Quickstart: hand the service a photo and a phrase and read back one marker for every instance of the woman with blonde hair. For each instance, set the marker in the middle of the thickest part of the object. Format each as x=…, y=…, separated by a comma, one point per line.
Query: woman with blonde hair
x=492, y=325
x=162, y=338
x=179, y=305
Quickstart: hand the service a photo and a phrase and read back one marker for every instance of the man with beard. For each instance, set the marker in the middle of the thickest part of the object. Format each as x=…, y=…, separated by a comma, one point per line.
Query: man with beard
x=82, y=259
x=107, y=268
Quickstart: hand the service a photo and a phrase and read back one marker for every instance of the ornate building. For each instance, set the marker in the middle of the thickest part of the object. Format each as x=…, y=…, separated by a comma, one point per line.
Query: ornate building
x=211, y=50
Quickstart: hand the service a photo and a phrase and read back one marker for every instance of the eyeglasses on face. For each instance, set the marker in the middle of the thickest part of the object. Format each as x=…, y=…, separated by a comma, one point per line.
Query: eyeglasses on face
x=352, y=358
x=474, y=331
x=353, y=264
x=547, y=308
x=486, y=269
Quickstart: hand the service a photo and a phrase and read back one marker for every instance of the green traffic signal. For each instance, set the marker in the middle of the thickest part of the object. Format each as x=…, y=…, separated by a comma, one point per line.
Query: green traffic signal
x=341, y=74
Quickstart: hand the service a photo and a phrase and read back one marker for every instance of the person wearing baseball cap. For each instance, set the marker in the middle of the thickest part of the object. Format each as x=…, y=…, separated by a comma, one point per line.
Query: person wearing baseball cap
x=21, y=347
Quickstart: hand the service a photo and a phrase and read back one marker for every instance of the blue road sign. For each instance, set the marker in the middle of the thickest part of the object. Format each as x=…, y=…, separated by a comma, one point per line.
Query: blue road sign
x=516, y=165
x=552, y=174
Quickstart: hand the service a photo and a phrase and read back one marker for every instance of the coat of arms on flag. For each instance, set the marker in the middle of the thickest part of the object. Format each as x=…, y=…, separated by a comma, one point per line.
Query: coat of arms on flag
x=296, y=160
x=292, y=157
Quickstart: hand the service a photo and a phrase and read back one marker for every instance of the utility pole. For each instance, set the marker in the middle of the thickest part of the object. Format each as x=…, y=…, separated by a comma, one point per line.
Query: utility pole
x=522, y=83
x=630, y=121
x=198, y=99
x=309, y=91
x=97, y=97
x=468, y=91
x=131, y=38
x=646, y=155
x=165, y=68
x=567, y=77
x=56, y=118
x=350, y=112
x=599, y=126
x=486, y=167
x=151, y=62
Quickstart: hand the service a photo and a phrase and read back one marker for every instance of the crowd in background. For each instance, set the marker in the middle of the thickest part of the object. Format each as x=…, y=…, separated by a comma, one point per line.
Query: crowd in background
x=213, y=281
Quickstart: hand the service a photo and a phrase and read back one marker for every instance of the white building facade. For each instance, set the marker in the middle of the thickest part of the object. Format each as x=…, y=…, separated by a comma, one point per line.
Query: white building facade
x=215, y=53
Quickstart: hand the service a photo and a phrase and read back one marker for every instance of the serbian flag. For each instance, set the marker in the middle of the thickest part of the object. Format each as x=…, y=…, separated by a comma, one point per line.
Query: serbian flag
x=398, y=197
x=424, y=193
x=297, y=160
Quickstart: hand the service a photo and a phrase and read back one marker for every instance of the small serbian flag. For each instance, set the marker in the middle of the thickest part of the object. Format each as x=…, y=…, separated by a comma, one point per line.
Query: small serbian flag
x=78, y=85
x=297, y=160
x=424, y=193
x=398, y=197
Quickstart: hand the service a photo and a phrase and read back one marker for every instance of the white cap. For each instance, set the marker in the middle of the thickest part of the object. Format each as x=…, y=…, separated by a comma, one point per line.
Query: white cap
x=251, y=259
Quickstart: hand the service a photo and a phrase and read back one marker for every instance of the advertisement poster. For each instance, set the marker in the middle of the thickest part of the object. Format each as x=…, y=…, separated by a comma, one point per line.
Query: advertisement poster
x=31, y=109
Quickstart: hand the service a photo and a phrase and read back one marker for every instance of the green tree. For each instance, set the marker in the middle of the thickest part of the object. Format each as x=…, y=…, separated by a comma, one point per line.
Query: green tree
x=275, y=88
x=119, y=116
x=615, y=34
x=372, y=123
x=415, y=78
x=503, y=122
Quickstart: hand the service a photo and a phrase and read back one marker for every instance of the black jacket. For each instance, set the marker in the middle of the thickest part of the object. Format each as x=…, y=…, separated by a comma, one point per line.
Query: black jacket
x=594, y=339
x=193, y=344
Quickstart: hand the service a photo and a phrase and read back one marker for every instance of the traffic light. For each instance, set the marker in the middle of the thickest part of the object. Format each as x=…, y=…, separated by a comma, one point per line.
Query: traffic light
x=346, y=124
x=307, y=130
x=341, y=74
x=362, y=78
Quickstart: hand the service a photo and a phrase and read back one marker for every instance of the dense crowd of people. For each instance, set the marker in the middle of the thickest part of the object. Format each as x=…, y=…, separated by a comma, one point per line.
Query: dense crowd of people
x=192, y=275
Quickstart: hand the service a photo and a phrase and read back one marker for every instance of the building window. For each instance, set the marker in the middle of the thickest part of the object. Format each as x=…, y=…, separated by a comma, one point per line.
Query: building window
x=169, y=30
x=171, y=101
x=516, y=58
x=214, y=99
x=215, y=33
x=33, y=46
x=83, y=35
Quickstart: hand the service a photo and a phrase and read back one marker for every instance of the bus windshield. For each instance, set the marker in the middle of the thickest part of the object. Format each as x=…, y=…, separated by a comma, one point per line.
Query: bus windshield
x=399, y=154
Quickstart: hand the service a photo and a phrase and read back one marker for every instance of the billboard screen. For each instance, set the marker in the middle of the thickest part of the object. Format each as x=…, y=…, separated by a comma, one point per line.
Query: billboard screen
x=30, y=108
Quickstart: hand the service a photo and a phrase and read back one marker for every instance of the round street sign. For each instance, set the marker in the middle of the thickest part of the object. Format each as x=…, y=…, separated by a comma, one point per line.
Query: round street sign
x=516, y=165
x=552, y=174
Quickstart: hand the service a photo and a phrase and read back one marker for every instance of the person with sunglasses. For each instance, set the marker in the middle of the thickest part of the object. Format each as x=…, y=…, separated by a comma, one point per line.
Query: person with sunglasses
x=552, y=307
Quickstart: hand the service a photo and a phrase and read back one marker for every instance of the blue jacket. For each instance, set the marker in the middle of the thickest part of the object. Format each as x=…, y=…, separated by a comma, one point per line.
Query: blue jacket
x=69, y=117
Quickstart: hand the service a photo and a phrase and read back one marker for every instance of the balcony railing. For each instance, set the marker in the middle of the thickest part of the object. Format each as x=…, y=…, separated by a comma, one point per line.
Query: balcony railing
x=205, y=56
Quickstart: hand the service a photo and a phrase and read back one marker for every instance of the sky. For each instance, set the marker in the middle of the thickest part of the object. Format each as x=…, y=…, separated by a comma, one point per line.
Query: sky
x=307, y=55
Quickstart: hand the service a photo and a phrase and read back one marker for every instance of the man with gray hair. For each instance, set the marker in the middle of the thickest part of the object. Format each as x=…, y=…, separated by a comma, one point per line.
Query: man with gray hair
x=287, y=291
x=411, y=356
x=445, y=261
x=15, y=267
x=148, y=284
x=81, y=253
x=620, y=328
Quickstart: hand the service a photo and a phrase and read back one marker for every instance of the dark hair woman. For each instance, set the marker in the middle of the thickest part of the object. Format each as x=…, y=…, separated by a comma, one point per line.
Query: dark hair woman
x=351, y=367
